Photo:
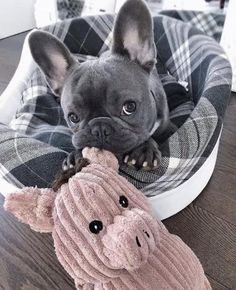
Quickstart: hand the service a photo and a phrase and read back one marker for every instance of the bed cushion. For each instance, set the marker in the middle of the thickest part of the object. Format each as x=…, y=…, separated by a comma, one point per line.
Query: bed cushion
x=197, y=79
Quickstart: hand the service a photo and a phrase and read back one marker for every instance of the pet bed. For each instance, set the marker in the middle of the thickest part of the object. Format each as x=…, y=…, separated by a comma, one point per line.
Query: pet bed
x=196, y=76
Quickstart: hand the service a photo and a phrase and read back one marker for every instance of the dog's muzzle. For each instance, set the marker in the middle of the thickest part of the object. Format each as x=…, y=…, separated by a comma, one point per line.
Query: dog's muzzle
x=101, y=128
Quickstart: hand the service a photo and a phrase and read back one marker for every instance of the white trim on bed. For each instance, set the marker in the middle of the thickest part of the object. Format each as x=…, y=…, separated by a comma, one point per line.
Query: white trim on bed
x=173, y=201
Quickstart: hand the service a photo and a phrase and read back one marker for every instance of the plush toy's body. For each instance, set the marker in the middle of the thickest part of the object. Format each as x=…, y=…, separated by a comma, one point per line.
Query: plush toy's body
x=104, y=233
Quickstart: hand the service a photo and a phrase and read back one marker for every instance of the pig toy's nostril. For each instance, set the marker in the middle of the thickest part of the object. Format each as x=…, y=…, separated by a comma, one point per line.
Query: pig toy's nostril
x=137, y=241
x=147, y=234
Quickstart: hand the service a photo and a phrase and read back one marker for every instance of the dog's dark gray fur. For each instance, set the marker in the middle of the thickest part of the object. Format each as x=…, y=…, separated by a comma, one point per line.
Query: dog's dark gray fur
x=116, y=102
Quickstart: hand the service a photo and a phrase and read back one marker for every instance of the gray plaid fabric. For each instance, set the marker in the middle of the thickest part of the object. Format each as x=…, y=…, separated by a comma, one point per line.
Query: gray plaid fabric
x=69, y=8
x=210, y=23
x=196, y=77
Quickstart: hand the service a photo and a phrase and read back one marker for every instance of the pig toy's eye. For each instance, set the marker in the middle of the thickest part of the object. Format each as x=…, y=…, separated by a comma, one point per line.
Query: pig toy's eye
x=124, y=201
x=95, y=227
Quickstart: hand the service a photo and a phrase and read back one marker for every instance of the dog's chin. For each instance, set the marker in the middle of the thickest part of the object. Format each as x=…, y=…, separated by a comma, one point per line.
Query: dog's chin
x=116, y=146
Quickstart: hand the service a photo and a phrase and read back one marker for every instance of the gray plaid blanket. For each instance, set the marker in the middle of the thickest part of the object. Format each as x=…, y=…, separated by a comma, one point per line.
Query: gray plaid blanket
x=196, y=77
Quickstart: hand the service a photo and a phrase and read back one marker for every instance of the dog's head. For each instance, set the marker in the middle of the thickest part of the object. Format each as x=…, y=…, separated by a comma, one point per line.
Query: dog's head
x=115, y=102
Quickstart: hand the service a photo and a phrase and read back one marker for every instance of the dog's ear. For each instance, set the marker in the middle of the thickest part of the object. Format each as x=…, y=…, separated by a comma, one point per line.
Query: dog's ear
x=133, y=34
x=52, y=56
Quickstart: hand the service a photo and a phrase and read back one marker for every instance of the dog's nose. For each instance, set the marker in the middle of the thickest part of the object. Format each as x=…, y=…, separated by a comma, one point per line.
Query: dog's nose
x=101, y=130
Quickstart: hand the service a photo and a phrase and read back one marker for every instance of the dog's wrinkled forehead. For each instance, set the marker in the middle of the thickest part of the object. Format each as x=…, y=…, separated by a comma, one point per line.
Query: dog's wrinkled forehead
x=133, y=40
x=95, y=79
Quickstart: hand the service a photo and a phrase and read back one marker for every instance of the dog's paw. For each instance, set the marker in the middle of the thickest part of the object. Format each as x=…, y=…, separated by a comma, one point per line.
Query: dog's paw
x=69, y=161
x=146, y=156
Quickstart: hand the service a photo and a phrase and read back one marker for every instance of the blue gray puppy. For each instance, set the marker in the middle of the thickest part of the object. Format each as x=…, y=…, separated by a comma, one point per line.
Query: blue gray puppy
x=115, y=102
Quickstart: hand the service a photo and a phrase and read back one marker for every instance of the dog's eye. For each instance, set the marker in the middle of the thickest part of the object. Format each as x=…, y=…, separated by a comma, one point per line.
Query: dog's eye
x=73, y=118
x=95, y=227
x=128, y=108
x=124, y=201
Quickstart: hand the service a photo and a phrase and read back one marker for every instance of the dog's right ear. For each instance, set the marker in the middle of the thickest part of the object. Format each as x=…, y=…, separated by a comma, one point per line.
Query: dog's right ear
x=133, y=34
x=52, y=56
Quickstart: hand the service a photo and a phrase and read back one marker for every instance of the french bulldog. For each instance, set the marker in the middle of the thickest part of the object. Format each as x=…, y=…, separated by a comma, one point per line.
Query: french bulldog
x=115, y=102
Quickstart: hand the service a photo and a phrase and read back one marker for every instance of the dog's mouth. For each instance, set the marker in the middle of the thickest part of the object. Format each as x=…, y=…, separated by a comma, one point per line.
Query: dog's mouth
x=105, y=146
x=109, y=134
x=117, y=143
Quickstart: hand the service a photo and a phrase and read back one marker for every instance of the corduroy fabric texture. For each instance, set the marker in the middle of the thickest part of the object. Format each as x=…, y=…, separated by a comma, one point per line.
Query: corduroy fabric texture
x=104, y=233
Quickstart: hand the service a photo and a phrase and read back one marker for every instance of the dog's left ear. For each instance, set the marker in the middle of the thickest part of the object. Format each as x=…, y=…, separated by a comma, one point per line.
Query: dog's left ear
x=133, y=34
x=52, y=56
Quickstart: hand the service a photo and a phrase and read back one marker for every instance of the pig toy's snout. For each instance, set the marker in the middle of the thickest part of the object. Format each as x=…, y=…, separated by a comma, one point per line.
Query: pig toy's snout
x=131, y=239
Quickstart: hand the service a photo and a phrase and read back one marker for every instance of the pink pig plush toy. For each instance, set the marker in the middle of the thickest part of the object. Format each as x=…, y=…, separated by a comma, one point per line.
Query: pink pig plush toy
x=104, y=233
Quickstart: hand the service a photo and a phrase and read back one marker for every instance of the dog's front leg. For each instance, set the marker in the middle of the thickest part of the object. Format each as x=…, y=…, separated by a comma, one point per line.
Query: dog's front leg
x=146, y=156
x=70, y=160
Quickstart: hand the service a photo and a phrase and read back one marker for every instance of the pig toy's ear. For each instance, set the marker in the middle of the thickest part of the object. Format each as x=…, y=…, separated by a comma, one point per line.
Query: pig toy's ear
x=32, y=206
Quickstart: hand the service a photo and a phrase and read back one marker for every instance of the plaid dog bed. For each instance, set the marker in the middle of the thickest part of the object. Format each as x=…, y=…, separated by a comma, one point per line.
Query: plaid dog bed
x=196, y=77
